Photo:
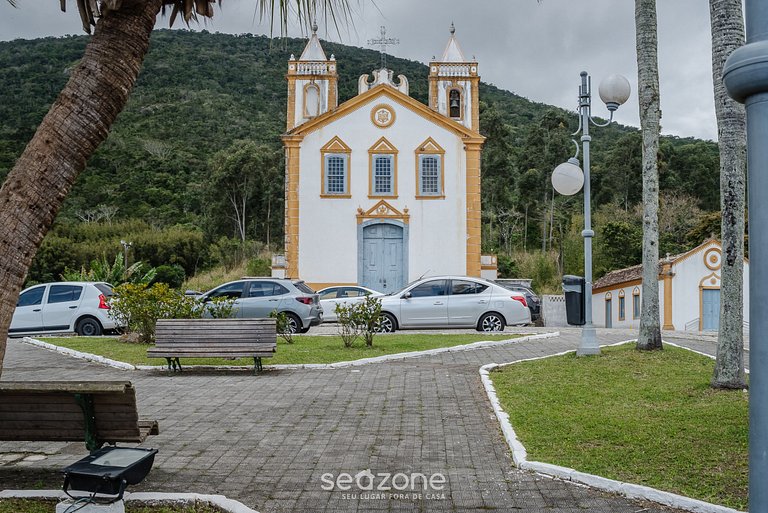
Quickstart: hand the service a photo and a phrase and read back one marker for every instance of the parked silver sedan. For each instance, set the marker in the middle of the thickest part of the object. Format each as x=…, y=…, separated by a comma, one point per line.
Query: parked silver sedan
x=454, y=302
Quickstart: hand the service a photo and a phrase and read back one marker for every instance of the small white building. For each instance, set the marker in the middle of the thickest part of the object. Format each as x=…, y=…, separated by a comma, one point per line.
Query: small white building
x=382, y=189
x=689, y=292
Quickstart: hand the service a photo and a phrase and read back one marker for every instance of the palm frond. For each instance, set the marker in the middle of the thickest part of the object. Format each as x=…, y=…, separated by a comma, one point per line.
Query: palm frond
x=278, y=12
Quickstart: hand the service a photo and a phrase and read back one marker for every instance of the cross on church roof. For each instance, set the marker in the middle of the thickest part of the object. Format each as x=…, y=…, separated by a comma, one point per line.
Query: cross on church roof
x=383, y=42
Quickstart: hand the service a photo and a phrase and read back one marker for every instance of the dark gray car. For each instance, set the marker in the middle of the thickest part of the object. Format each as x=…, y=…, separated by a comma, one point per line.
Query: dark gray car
x=534, y=303
x=258, y=297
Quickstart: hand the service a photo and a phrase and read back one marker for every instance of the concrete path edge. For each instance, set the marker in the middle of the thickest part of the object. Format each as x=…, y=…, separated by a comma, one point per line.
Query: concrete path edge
x=229, y=505
x=633, y=491
x=337, y=365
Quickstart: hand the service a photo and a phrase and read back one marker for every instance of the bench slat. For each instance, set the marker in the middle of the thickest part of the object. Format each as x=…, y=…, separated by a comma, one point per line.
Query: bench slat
x=48, y=411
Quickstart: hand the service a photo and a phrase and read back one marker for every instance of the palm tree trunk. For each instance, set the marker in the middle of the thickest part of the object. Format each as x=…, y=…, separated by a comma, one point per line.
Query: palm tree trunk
x=77, y=123
x=727, y=22
x=649, y=337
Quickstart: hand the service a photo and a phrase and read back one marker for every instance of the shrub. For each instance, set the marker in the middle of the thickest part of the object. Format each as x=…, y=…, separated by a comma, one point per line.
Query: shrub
x=138, y=307
x=349, y=323
x=369, y=316
x=221, y=307
x=282, y=326
x=259, y=267
x=172, y=275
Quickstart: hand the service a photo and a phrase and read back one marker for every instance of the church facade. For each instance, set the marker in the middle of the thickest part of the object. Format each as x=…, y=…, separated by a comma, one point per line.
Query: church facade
x=381, y=189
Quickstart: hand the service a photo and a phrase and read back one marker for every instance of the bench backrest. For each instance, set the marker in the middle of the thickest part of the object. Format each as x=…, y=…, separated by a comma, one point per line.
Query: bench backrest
x=54, y=411
x=261, y=332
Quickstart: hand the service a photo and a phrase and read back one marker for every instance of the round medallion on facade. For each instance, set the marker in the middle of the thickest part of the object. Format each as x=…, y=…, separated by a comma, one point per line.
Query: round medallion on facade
x=712, y=259
x=382, y=116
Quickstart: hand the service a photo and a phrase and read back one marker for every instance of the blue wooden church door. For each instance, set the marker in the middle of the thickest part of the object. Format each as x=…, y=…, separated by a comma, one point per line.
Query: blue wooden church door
x=383, y=257
x=710, y=309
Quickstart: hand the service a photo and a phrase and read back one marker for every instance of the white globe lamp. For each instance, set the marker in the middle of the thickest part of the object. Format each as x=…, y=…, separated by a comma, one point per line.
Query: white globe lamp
x=614, y=90
x=567, y=178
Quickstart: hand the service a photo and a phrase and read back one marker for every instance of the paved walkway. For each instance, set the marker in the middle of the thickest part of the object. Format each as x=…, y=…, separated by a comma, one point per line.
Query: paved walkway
x=267, y=440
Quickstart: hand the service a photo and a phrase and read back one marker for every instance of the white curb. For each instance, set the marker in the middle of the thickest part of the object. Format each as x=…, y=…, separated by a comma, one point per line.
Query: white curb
x=229, y=505
x=633, y=491
x=78, y=354
x=338, y=365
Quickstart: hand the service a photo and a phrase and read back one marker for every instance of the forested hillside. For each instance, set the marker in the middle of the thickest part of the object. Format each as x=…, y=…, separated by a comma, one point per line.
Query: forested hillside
x=208, y=110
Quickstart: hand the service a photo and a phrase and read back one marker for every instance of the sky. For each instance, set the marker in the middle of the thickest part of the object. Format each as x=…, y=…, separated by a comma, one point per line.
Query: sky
x=535, y=49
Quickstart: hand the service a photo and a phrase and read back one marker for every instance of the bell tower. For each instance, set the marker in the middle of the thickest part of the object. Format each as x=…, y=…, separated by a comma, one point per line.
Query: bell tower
x=312, y=83
x=453, y=85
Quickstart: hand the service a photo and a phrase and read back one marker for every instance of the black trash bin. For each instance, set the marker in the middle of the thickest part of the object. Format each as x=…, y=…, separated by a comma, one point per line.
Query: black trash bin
x=573, y=287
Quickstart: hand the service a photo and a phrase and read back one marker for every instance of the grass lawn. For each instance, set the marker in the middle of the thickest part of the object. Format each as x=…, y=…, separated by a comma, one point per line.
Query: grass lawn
x=48, y=506
x=305, y=349
x=644, y=418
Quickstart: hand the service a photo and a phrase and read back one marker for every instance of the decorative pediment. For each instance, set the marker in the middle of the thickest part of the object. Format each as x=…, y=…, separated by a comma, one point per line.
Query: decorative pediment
x=429, y=146
x=336, y=145
x=382, y=146
x=383, y=210
x=710, y=282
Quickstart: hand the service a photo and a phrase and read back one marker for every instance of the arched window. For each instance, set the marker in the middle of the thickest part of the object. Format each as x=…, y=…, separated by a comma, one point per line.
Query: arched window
x=454, y=103
x=311, y=100
x=636, y=303
x=622, y=306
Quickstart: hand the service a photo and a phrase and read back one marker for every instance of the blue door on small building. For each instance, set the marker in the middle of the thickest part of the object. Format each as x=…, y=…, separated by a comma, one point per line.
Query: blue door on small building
x=710, y=309
x=383, y=257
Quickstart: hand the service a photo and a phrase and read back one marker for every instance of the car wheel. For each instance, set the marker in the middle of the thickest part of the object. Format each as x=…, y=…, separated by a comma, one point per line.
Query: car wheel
x=491, y=322
x=304, y=330
x=88, y=327
x=294, y=323
x=387, y=323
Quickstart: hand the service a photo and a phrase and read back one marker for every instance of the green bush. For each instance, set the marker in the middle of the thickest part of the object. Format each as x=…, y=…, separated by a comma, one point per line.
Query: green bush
x=282, y=326
x=172, y=275
x=357, y=319
x=348, y=322
x=369, y=315
x=138, y=307
x=259, y=267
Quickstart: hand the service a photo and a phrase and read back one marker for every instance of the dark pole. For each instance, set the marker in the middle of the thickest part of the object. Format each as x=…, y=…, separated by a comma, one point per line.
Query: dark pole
x=746, y=78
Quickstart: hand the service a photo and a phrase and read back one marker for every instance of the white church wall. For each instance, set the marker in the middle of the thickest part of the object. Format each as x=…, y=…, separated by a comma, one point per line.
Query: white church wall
x=685, y=287
x=437, y=227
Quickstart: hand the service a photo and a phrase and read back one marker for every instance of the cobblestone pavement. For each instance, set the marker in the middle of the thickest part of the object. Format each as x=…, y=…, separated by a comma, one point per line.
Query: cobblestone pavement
x=266, y=440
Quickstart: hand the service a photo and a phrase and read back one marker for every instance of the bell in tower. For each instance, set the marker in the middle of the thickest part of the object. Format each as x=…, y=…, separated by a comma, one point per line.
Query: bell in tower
x=453, y=85
x=312, y=83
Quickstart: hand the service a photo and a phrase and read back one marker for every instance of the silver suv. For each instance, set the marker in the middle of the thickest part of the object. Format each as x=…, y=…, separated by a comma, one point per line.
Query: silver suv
x=82, y=307
x=258, y=297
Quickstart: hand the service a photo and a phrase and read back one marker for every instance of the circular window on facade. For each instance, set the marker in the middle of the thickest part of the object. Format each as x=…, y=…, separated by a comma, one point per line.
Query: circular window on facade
x=712, y=258
x=383, y=116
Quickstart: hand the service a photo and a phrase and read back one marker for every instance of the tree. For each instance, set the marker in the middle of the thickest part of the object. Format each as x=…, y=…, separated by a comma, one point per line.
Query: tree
x=646, y=36
x=727, y=21
x=246, y=186
x=80, y=119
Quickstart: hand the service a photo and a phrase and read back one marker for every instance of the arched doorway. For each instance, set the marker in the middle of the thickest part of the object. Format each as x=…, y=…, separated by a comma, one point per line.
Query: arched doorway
x=382, y=256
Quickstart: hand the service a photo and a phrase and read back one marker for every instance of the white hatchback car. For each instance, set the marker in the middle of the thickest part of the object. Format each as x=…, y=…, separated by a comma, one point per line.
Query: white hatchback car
x=80, y=307
x=454, y=302
x=342, y=295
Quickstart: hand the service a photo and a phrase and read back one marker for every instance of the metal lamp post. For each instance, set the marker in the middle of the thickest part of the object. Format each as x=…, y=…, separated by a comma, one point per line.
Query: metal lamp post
x=614, y=91
x=126, y=246
x=746, y=78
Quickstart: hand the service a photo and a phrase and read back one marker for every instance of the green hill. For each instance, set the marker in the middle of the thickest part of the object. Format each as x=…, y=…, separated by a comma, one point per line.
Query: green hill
x=199, y=93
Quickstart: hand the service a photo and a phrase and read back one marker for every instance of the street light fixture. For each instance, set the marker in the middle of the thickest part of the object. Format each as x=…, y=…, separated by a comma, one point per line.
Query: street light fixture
x=567, y=179
x=126, y=245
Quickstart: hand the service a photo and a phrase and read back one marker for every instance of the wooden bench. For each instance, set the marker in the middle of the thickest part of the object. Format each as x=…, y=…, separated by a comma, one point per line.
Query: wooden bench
x=97, y=412
x=214, y=338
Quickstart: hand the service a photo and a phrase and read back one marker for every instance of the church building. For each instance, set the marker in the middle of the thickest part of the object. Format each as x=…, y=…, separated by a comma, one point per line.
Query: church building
x=381, y=189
